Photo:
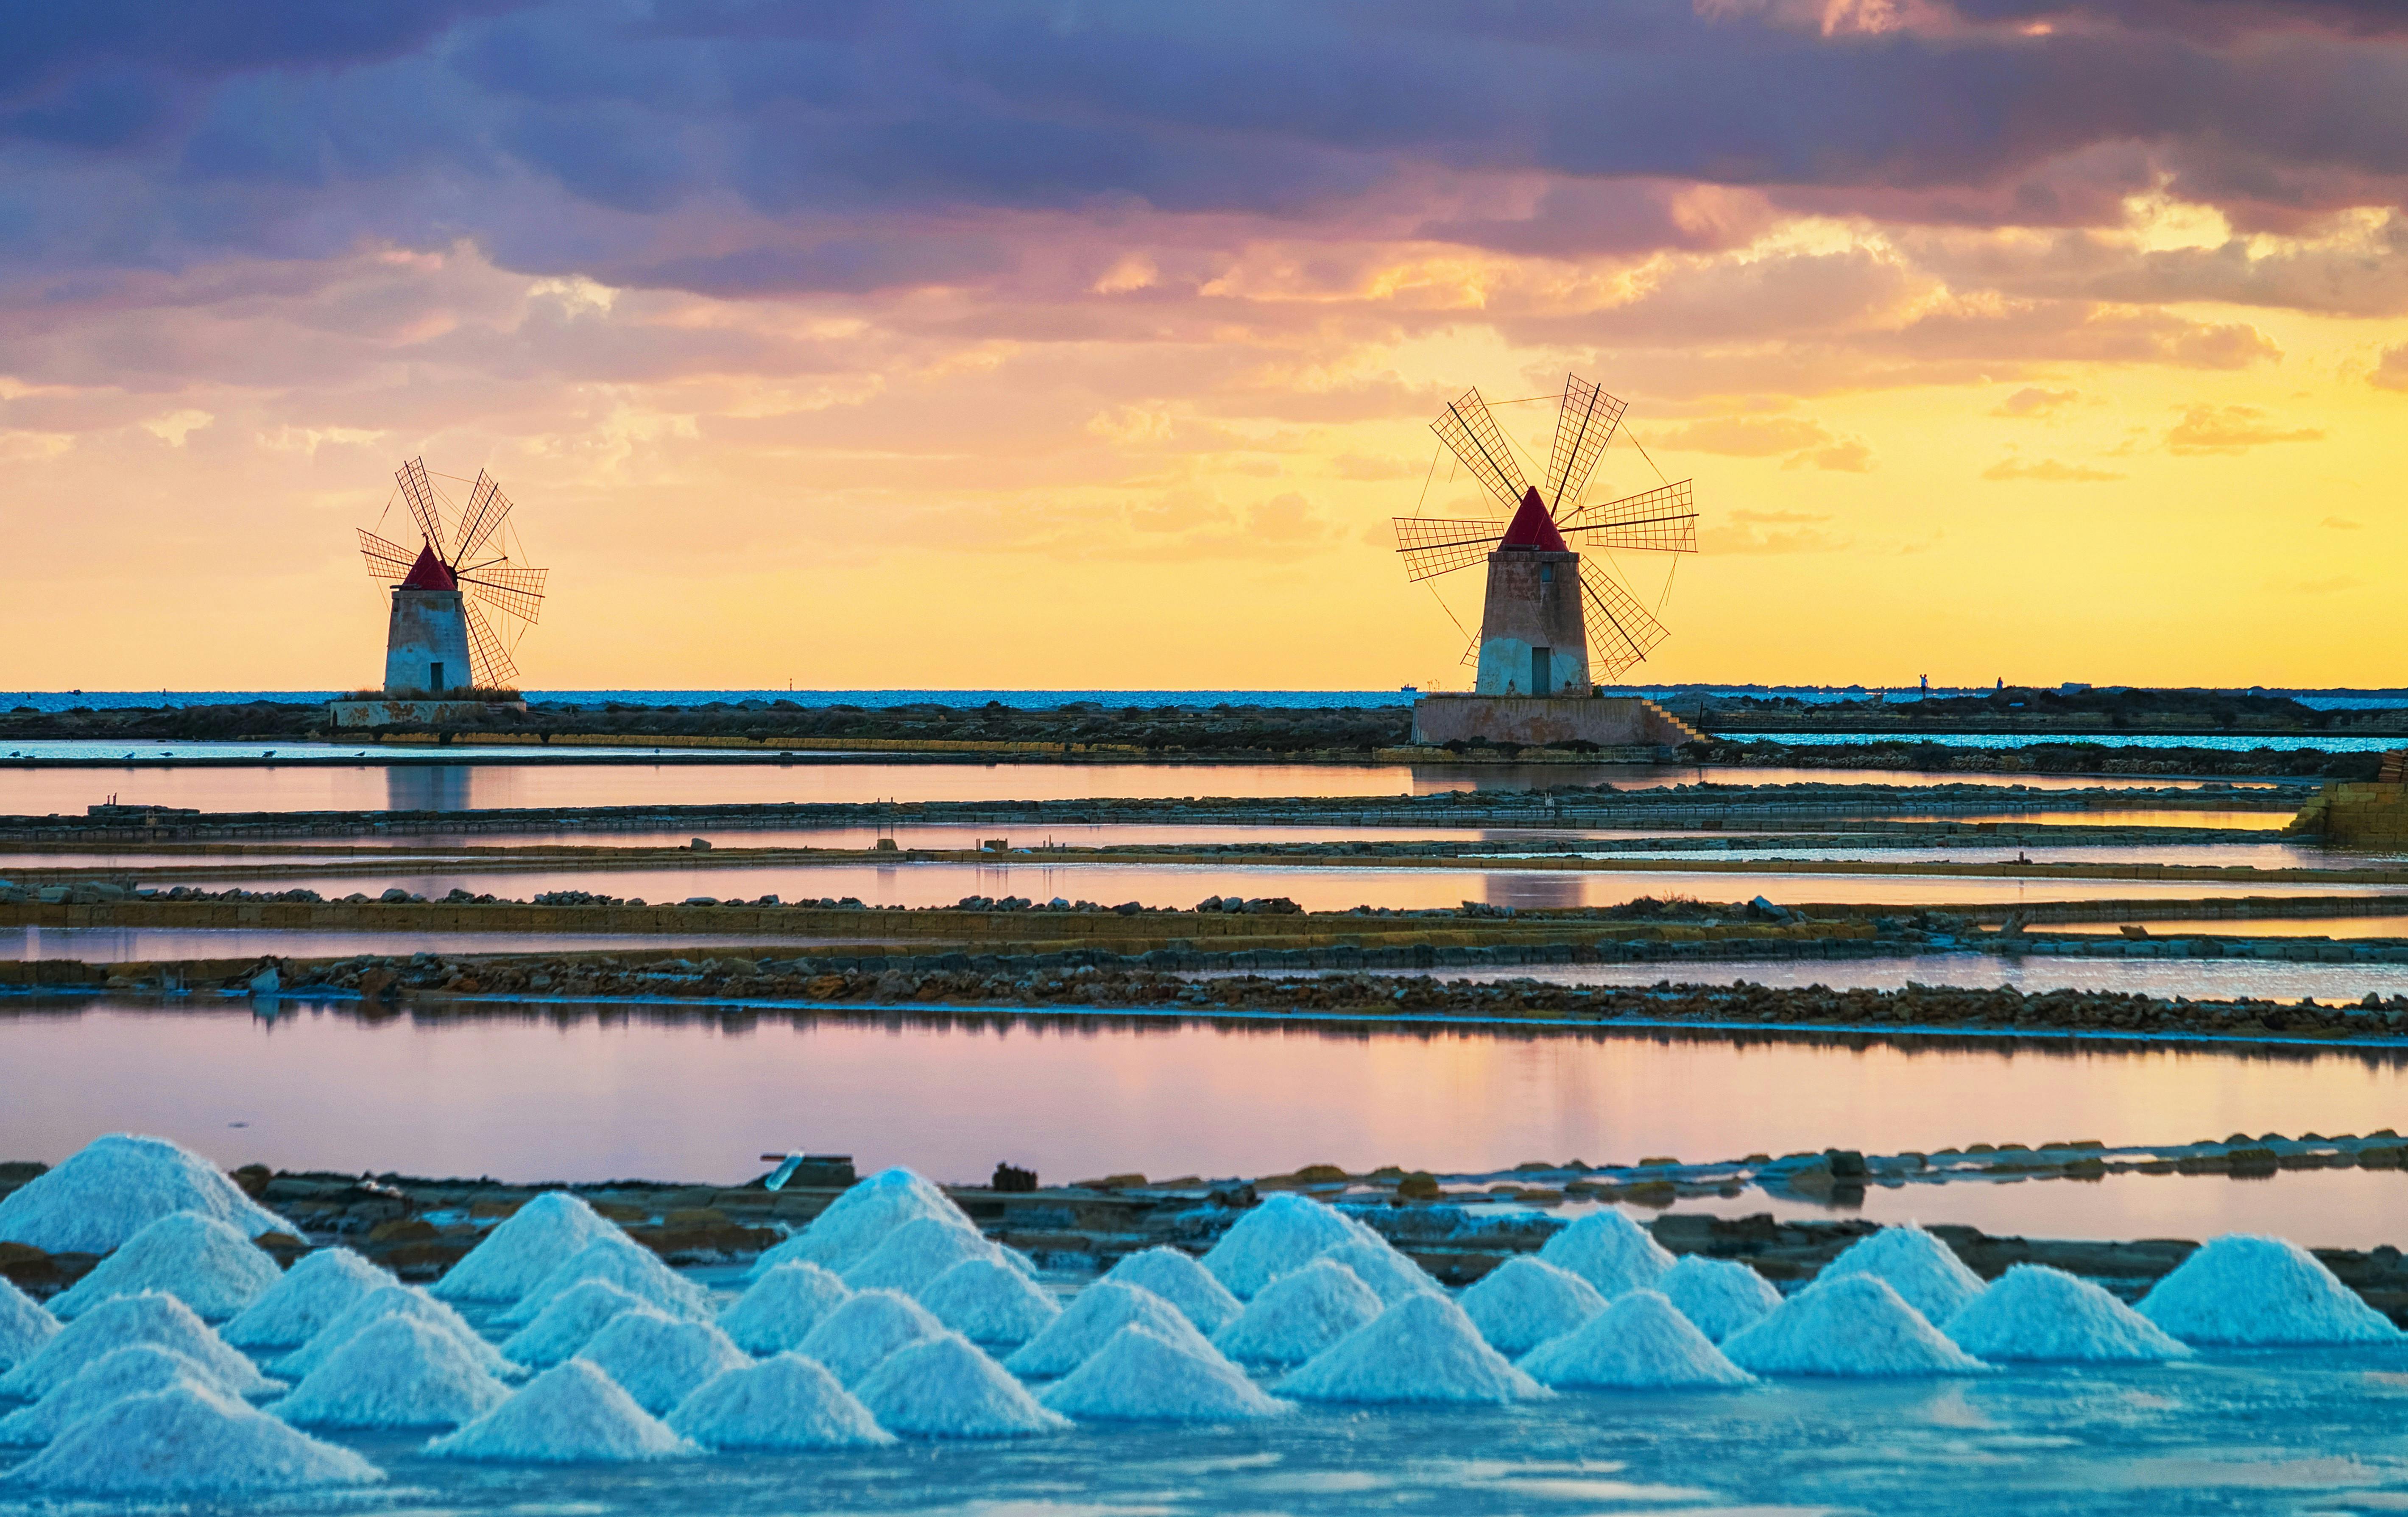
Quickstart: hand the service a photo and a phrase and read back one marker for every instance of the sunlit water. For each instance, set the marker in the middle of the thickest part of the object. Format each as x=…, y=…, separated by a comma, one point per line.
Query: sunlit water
x=580, y=1093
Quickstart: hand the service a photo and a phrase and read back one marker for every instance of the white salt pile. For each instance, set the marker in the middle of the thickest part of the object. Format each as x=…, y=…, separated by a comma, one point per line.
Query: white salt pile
x=1525, y=1301
x=659, y=1359
x=567, y=1326
x=917, y=1253
x=319, y=1288
x=137, y=1369
x=860, y=1334
x=783, y=1402
x=24, y=1328
x=198, y=1260
x=394, y=1372
x=1720, y=1296
x=1377, y=1264
x=1178, y=1279
x=184, y=1442
x=2258, y=1293
x=779, y=1310
x=1093, y=1316
x=1609, y=1252
x=125, y=1321
x=946, y=1388
x=1296, y=1316
x=528, y=1244
x=1640, y=1341
x=1851, y=1324
x=2033, y=1312
x=1919, y=1267
x=859, y=1220
x=1274, y=1238
x=1141, y=1376
x=623, y=1261
x=113, y=1187
x=1423, y=1350
x=988, y=1302
x=389, y=1301
x=570, y=1414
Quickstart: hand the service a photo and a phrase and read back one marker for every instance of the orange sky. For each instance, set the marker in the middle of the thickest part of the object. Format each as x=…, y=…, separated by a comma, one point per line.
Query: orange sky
x=1154, y=444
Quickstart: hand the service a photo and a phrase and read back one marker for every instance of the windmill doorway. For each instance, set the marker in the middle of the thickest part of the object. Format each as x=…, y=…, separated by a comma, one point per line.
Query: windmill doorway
x=434, y=679
x=1541, y=671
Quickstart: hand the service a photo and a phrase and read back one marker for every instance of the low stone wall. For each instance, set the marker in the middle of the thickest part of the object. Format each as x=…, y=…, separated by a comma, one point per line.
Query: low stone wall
x=2372, y=815
x=399, y=713
x=1608, y=722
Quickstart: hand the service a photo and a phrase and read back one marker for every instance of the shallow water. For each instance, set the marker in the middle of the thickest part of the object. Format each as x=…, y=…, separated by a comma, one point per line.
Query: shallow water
x=1334, y=888
x=2283, y=1432
x=125, y=945
x=579, y=1093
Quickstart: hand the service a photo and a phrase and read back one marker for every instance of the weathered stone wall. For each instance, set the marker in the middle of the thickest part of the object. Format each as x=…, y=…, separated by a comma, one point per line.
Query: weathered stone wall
x=428, y=628
x=397, y=713
x=2359, y=815
x=1607, y=721
x=1534, y=601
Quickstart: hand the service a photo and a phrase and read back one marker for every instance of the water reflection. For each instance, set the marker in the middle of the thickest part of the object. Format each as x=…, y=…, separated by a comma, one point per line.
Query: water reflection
x=430, y=787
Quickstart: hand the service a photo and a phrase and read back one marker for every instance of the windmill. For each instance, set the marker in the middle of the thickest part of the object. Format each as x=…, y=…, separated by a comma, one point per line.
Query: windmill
x=440, y=639
x=1555, y=619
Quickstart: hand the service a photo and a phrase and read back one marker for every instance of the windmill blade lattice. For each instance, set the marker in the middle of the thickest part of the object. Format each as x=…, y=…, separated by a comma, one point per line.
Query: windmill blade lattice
x=1620, y=633
x=1583, y=426
x=513, y=591
x=387, y=560
x=489, y=661
x=1661, y=520
x=1466, y=427
x=1433, y=545
x=488, y=508
x=419, y=491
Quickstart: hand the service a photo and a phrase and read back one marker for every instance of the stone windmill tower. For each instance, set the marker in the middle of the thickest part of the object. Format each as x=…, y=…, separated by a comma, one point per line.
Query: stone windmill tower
x=438, y=641
x=1557, y=620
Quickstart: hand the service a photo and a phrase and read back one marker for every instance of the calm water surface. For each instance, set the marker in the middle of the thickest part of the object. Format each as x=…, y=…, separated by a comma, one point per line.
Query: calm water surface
x=575, y=1094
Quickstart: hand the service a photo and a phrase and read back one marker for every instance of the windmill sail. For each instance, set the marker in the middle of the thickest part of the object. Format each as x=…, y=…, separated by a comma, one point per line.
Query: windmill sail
x=420, y=492
x=488, y=660
x=488, y=507
x=1662, y=520
x=1620, y=633
x=1468, y=428
x=1583, y=426
x=387, y=560
x=1433, y=546
x=515, y=591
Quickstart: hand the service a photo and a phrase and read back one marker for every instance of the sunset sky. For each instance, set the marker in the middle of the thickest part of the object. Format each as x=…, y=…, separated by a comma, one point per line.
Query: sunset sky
x=1093, y=345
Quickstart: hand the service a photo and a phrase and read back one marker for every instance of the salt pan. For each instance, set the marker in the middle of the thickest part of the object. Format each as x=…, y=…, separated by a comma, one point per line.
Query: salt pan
x=989, y=1302
x=1640, y=1341
x=1423, y=1350
x=1093, y=1316
x=1274, y=1238
x=184, y=1442
x=525, y=1246
x=1141, y=1376
x=917, y=1253
x=784, y=1402
x=946, y=1388
x=779, y=1310
x=2033, y=1312
x=567, y=1326
x=1609, y=1252
x=1377, y=1264
x=387, y=1301
x=24, y=1328
x=313, y=1292
x=137, y=1369
x=859, y=1335
x=1525, y=1301
x=125, y=1321
x=1719, y=1296
x=1173, y=1275
x=624, y=1262
x=1854, y=1325
x=113, y=1187
x=2260, y=1291
x=859, y=1220
x=1296, y=1316
x=396, y=1372
x=660, y=1359
x=198, y=1260
x=1919, y=1267
x=570, y=1414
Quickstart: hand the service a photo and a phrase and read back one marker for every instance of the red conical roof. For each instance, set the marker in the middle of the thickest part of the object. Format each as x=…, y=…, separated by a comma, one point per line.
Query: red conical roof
x=432, y=573
x=1534, y=528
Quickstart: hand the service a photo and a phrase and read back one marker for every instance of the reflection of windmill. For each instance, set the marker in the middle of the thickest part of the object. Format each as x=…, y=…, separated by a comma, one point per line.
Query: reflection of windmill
x=440, y=639
x=1539, y=635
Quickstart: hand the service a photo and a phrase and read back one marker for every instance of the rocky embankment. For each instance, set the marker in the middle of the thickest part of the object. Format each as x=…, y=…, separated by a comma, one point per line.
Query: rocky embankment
x=2272, y=757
